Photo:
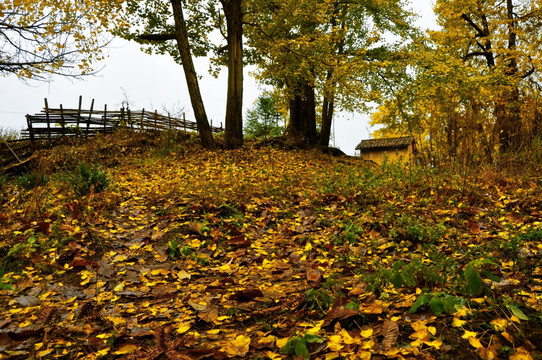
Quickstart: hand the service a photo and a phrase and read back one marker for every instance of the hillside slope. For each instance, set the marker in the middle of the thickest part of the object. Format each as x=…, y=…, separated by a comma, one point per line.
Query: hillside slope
x=262, y=253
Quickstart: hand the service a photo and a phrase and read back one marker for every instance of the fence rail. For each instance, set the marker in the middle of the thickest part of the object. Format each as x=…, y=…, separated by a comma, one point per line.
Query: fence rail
x=53, y=123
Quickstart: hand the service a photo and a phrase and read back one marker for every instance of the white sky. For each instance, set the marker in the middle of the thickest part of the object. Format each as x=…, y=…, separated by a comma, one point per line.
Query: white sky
x=155, y=82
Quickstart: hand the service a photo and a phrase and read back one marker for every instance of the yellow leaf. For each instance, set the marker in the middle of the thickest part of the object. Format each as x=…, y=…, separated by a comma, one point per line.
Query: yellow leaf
x=281, y=342
x=515, y=319
x=499, y=324
x=45, y=352
x=520, y=356
x=268, y=341
x=366, y=333
x=468, y=334
x=435, y=343
x=237, y=347
x=458, y=322
x=419, y=325
x=273, y=355
x=475, y=342
x=335, y=343
x=346, y=338
x=126, y=349
x=362, y=355
x=102, y=352
x=422, y=334
x=183, y=275
x=119, y=287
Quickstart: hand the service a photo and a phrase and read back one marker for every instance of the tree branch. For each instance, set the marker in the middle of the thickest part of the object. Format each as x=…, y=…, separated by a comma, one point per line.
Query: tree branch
x=471, y=23
x=157, y=37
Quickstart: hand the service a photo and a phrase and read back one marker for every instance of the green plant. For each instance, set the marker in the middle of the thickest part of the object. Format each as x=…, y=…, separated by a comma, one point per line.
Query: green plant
x=299, y=345
x=471, y=280
x=29, y=181
x=3, y=179
x=318, y=299
x=30, y=246
x=5, y=282
x=439, y=303
x=86, y=178
x=176, y=248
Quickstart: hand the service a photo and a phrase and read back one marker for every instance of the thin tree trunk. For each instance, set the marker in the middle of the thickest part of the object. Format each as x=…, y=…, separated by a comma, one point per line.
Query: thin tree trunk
x=508, y=111
x=327, y=116
x=205, y=133
x=234, y=105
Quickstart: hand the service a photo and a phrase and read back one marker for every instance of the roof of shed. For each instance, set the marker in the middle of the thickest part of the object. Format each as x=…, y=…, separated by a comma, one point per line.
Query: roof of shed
x=389, y=143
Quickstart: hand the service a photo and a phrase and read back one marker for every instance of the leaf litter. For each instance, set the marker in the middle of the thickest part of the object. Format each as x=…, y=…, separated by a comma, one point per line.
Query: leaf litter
x=264, y=253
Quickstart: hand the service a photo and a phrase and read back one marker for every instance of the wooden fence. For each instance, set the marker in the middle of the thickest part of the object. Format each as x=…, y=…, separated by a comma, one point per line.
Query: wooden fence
x=53, y=123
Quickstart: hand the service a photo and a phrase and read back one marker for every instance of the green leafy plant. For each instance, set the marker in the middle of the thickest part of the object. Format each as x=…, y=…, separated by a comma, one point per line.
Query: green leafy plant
x=29, y=181
x=176, y=248
x=26, y=247
x=318, y=299
x=85, y=178
x=3, y=179
x=5, y=282
x=439, y=303
x=472, y=282
x=299, y=345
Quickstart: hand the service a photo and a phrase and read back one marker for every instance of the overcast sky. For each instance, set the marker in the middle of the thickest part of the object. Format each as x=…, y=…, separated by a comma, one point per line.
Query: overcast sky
x=155, y=82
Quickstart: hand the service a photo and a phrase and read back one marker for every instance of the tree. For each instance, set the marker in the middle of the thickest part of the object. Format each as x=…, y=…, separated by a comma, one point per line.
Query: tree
x=234, y=107
x=152, y=23
x=263, y=120
x=324, y=53
x=476, y=81
x=40, y=38
x=158, y=30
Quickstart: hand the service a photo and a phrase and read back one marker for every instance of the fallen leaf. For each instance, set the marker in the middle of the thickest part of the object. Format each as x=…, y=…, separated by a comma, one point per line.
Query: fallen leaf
x=390, y=331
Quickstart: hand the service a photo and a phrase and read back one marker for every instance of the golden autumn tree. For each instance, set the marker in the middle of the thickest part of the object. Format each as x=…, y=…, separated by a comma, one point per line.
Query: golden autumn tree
x=475, y=86
x=324, y=55
x=39, y=38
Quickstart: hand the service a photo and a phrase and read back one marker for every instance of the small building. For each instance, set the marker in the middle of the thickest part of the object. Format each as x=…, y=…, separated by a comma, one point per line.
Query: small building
x=398, y=149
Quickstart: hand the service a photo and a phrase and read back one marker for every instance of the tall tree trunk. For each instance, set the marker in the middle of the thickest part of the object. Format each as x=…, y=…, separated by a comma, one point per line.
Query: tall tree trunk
x=234, y=105
x=508, y=110
x=205, y=133
x=302, y=125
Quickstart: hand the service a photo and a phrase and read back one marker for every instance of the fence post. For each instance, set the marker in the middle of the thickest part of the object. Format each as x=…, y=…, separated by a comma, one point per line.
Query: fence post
x=169, y=120
x=89, y=116
x=156, y=119
x=130, y=118
x=184, y=121
x=79, y=110
x=142, y=114
x=122, y=121
x=105, y=118
x=62, y=122
x=48, y=120
x=30, y=130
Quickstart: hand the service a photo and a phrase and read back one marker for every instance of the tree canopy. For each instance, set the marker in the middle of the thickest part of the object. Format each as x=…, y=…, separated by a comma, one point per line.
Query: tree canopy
x=39, y=38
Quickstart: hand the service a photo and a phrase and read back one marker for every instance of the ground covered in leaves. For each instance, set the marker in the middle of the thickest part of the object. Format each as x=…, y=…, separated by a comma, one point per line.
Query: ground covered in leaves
x=261, y=253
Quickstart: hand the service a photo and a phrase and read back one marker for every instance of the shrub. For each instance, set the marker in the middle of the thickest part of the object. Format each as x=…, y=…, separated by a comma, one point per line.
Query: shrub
x=86, y=178
x=9, y=134
x=29, y=181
